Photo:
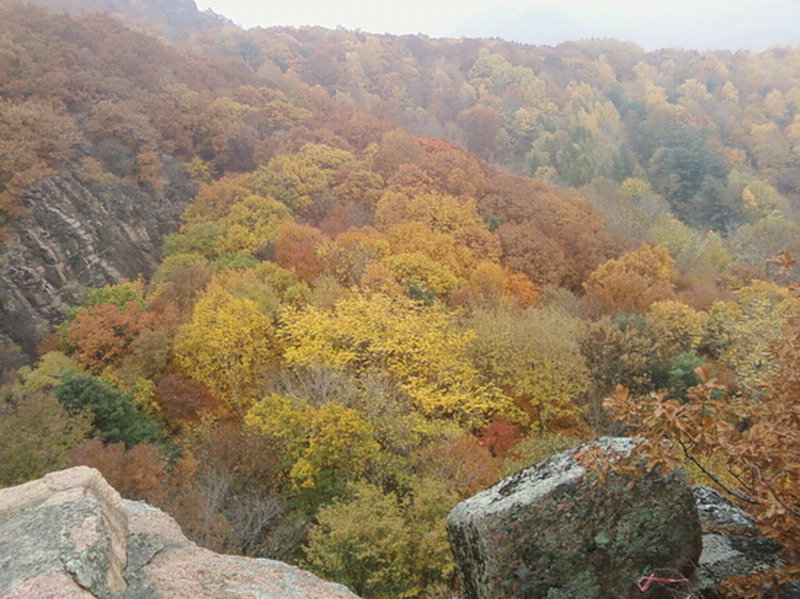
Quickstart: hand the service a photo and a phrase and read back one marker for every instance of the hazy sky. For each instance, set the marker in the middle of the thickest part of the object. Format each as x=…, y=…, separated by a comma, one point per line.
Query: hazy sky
x=702, y=24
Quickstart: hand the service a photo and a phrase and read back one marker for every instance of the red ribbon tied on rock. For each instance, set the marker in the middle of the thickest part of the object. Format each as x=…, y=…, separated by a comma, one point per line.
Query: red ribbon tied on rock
x=645, y=581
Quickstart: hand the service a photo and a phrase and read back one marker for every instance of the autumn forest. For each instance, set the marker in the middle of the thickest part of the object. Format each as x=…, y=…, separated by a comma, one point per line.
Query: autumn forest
x=404, y=267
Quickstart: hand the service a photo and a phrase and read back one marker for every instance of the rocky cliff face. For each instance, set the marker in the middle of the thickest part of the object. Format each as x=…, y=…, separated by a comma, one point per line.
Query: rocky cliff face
x=71, y=237
x=69, y=535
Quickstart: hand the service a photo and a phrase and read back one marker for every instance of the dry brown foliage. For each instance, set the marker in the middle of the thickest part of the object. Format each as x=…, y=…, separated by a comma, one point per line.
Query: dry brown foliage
x=756, y=442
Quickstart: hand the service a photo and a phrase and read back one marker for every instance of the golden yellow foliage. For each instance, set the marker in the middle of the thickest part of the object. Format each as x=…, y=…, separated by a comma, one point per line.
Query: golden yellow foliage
x=442, y=213
x=227, y=346
x=415, y=268
x=418, y=237
x=652, y=262
x=421, y=349
x=251, y=224
x=633, y=281
x=744, y=331
x=535, y=358
x=310, y=169
x=329, y=444
x=676, y=326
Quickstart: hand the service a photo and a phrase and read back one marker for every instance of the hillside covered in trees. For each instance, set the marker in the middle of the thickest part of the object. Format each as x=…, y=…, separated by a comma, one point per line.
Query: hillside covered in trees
x=402, y=267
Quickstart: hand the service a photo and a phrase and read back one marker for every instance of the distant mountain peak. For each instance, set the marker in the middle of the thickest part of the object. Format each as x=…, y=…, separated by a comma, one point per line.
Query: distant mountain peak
x=172, y=19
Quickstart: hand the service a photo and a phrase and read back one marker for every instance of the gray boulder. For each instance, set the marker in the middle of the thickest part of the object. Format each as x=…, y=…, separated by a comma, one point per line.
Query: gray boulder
x=547, y=532
x=70, y=535
x=732, y=546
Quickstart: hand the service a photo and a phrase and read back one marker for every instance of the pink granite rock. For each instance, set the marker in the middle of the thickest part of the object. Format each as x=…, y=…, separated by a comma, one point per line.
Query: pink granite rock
x=70, y=535
x=179, y=568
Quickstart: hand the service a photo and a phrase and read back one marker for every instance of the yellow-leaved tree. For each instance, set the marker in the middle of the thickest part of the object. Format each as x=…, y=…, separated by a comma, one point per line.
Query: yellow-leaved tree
x=442, y=213
x=372, y=541
x=535, y=357
x=227, y=346
x=419, y=347
x=676, y=326
x=741, y=333
x=327, y=446
x=252, y=224
x=416, y=269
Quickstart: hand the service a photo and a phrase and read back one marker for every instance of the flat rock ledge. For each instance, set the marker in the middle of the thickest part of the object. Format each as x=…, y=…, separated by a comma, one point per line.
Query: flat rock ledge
x=547, y=532
x=69, y=535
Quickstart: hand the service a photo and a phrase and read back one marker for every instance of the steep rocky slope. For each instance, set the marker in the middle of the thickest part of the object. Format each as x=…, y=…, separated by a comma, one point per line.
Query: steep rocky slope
x=71, y=236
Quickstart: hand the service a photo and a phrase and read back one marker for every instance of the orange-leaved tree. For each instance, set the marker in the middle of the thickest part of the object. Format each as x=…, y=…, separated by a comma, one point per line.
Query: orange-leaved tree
x=102, y=334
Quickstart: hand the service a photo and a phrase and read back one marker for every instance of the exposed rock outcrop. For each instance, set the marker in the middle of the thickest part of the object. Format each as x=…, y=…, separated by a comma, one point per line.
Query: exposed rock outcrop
x=71, y=237
x=732, y=546
x=547, y=532
x=69, y=535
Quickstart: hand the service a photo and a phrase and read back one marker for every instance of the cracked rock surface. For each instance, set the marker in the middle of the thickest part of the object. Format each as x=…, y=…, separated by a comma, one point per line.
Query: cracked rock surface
x=547, y=532
x=71, y=236
x=69, y=535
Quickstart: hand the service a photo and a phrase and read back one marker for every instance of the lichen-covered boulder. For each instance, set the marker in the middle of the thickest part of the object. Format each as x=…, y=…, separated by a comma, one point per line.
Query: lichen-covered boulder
x=548, y=532
x=732, y=546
